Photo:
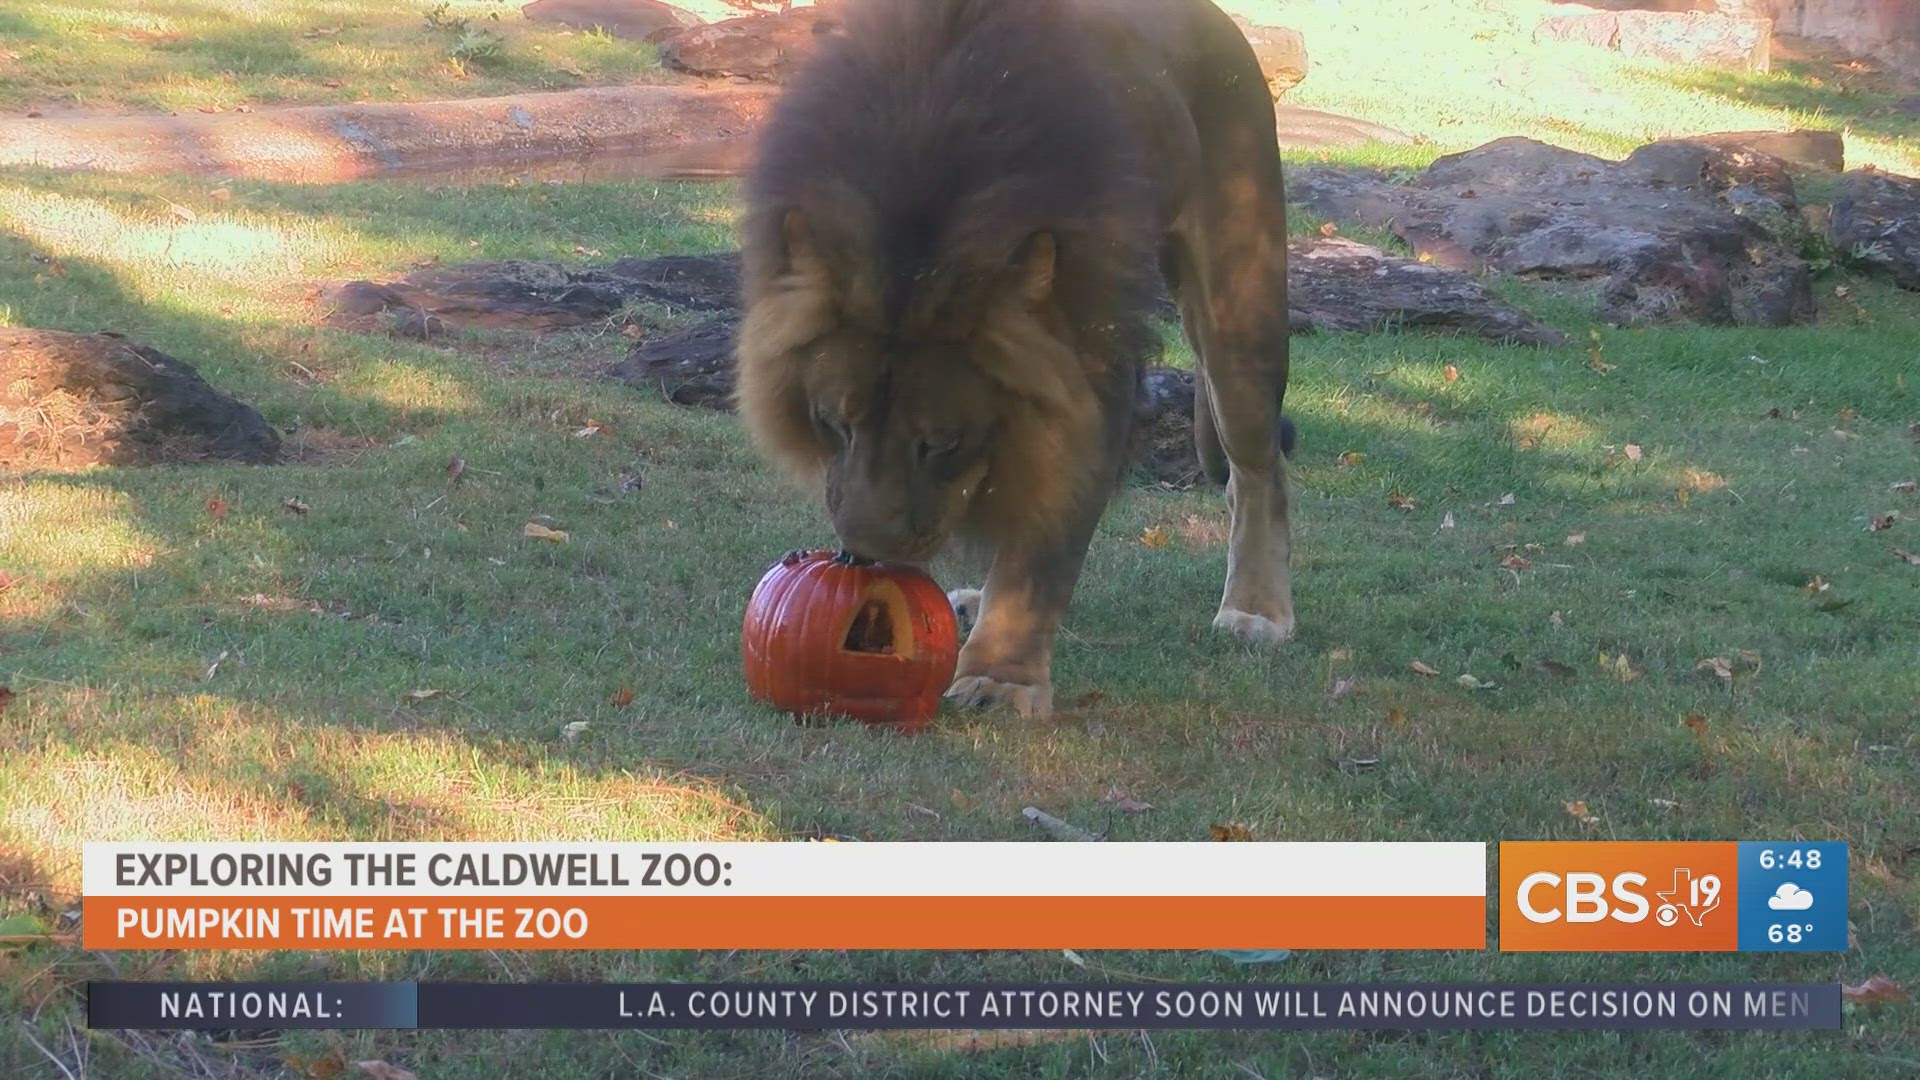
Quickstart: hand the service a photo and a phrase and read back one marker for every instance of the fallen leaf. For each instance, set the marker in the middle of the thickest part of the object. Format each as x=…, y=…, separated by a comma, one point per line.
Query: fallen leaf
x=217, y=507
x=1338, y=655
x=423, y=695
x=220, y=195
x=1882, y=523
x=1697, y=724
x=1156, y=537
x=1397, y=717
x=1472, y=683
x=295, y=505
x=1558, y=618
x=594, y=427
x=1816, y=585
x=1878, y=990
x=1329, y=228
x=1619, y=668
x=1555, y=668
x=1633, y=451
x=536, y=531
x=1684, y=497
x=1451, y=374
x=1905, y=487
x=573, y=730
x=456, y=469
x=1516, y=562
x=622, y=697
x=181, y=212
x=1906, y=556
x=1719, y=666
x=380, y=1070
x=1341, y=688
x=1352, y=457
x=1446, y=522
x=1664, y=804
x=1577, y=809
x=1575, y=539
x=1231, y=831
x=1506, y=500
x=961, y=800
x=1356, y=764
x=1420, y=667
x=1400, y=500
x=1599, y=365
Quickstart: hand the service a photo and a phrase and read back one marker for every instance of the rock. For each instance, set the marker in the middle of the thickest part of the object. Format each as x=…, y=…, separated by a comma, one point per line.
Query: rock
x=691, y=366
x=1311, y=129
x=1690, y=38
x=1339, y=285
x=765, y=48
x=1876, y=221
x=537, y=296
x=1678, y=230
x=68, y=400
x=1282, y=54
x=1804, y=148
x=638, y=20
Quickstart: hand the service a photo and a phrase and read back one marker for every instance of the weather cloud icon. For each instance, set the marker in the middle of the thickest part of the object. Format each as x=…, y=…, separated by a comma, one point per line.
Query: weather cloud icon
x=1790, y=897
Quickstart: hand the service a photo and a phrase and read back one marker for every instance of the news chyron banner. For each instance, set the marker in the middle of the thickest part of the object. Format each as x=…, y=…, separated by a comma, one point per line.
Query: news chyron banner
x=1714, y=896
x=785, y=896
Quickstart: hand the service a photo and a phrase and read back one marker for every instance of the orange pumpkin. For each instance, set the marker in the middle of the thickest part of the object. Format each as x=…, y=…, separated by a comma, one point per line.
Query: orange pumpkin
x=828, y=634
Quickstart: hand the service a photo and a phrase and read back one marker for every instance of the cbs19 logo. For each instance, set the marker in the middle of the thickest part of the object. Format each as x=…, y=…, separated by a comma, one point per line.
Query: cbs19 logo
x=1582, y=897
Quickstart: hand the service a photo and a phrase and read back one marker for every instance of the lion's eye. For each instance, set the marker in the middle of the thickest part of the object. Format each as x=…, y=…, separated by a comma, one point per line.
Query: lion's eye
x=938, y=444
x=835, y=429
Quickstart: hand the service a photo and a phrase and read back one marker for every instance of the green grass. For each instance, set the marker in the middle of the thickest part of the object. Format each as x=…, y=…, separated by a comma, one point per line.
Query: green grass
x=124, y=590
x=182, y=55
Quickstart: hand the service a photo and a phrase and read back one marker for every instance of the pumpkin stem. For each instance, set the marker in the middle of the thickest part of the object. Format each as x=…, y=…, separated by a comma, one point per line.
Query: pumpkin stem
x=848, y=558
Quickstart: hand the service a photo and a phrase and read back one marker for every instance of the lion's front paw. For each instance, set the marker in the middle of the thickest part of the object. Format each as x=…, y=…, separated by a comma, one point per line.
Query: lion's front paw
x=1255, y=628
x=966, y=607
x=978, y=691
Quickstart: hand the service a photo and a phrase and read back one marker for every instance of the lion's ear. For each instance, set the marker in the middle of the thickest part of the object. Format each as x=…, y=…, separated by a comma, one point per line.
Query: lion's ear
x=1034, y=268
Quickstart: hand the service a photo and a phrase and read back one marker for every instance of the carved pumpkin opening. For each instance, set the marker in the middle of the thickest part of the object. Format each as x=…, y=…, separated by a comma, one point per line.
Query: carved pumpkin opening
x=872, y=628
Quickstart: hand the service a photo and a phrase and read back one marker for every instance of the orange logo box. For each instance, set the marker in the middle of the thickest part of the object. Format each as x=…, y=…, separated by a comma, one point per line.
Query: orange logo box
x=1619, y=897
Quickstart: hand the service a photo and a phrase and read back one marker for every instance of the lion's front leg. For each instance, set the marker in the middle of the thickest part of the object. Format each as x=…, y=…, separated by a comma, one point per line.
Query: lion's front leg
x=1008, y=657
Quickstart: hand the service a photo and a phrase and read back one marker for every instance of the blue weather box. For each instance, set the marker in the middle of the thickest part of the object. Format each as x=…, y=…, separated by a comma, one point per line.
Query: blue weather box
x=1793, y=897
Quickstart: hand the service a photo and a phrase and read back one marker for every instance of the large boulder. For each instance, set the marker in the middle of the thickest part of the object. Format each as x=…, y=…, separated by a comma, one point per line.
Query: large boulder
x=1282, y=54
x=518, y=294
x=68, y=400
x=1680, y=230
x=764, y=48
x=1876, y=221
x=1689, y=38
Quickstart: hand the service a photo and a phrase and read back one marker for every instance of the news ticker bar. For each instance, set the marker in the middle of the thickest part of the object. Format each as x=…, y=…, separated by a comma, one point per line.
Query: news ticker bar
x=1717, y=896
x=829, y=1006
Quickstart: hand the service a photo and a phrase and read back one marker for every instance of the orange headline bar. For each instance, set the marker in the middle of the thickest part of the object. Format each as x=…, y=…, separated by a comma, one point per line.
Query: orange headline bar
x=804, y=922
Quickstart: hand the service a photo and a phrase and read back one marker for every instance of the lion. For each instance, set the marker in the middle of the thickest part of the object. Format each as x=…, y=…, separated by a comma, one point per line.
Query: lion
x=949, y=249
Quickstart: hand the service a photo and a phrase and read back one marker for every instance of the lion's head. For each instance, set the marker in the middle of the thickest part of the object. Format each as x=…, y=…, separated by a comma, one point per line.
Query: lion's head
x=942, y=275
x=963, y=413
